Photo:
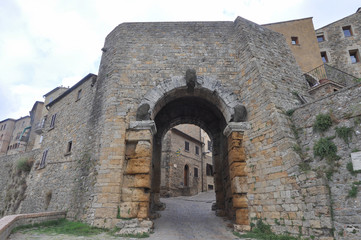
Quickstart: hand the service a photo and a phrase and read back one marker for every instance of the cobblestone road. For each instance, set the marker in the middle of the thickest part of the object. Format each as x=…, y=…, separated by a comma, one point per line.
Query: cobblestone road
x=184, y=218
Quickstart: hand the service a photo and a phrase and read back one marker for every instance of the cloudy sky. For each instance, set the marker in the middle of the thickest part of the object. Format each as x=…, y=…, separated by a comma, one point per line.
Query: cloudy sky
x=48, y=43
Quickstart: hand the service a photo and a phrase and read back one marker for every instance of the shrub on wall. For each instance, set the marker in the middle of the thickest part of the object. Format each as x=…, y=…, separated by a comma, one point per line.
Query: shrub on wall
x=322, y=123
x=345, y=133
x=24, y=164
x=325, y=148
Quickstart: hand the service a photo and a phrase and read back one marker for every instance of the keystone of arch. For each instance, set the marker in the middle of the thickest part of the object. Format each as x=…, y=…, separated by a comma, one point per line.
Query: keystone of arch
x=206, y=87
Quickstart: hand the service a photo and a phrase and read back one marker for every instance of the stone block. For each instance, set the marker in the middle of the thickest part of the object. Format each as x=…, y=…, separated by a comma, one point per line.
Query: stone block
x=242, y=217
x=128, y=209
x=139, y=135
x=241, y=228
x=138, y=165
x=240, y=201
x=143, y=149
x=236, y=155
x=238, y=169
x=239, y=185
x=137, y=181
x=144, y=212
x=134, y=195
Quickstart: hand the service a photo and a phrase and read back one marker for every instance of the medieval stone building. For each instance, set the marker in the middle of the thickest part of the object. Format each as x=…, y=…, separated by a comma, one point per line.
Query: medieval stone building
x=186, y=163
x=100, y=155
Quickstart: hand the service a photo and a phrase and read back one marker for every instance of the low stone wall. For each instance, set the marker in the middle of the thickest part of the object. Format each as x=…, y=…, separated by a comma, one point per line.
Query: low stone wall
x=8, y=223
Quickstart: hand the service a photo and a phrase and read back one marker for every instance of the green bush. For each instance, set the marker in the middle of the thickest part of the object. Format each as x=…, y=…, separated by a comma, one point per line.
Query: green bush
x=353, y=192
x=24, y=164
x=322, y=123
x=345, y=133
x=325, y=148
x=349, y=167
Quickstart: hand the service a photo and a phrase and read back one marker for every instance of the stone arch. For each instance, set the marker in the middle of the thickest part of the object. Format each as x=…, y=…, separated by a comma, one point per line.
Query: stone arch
x=206, y=87
x=217, y=111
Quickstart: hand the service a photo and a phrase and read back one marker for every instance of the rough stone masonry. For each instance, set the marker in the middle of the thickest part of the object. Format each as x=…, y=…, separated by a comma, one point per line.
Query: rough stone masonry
x=234, y=79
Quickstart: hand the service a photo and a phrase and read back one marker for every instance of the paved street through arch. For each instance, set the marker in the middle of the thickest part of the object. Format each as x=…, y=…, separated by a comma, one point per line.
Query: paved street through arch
x=191, y=218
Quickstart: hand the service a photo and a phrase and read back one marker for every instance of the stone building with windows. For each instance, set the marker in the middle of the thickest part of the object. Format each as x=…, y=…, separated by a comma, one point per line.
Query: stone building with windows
x=101, y=150
x=185, y=161
x=340, y=44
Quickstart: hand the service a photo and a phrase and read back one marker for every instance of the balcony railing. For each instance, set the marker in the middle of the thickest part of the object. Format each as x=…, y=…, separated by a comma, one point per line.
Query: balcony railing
x=39, y=127
x=326, y=72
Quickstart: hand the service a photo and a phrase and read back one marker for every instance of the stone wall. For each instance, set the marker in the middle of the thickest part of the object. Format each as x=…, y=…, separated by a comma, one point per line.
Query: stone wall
x=345, y=111
x=14, y=182
x=337, y=46
x=65, y=180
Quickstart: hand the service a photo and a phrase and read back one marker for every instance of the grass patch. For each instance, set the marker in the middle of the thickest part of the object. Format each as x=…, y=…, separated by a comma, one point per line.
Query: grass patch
x=24, y=164
x=349, y=167
x=263, y=231
x=61, y=226
x=138, y=235
x=353, y=192
x=322, y=123
x=325, y=148
x=345, y=133
x=290, y=112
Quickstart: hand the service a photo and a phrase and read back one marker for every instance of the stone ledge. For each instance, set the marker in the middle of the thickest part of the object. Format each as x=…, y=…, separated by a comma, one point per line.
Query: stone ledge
x=143, y=125
x=9, y=222
x=236, y=127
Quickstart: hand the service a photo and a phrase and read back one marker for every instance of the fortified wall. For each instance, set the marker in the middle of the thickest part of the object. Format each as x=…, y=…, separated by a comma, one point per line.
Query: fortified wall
x=100, y=160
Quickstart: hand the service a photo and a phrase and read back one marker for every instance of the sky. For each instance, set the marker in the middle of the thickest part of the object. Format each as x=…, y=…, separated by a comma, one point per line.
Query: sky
x=49, y=43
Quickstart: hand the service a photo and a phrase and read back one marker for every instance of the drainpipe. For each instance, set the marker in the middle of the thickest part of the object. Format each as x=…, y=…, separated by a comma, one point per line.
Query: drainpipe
x=23, y=132
x=202, y=146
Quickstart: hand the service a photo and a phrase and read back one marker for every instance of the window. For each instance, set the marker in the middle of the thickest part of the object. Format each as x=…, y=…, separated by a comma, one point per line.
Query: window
x=210, y=187
x=197, y=150
x=41, y=139
x=42, y=163
x=195, y=172
x=347, y=32
x=324, y=57
x=186, y=146
x=52, y=123
x=5, y=126
x=354, y=55
x=320, y=38
x=209, y=170
x=68, y=148
x=294, y=40
x=209, y=145
x=79, y=95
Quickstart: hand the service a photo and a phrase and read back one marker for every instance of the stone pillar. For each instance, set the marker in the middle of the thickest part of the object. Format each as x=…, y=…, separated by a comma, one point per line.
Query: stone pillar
x=135, y=194
x=238, y=175
x=156, y=175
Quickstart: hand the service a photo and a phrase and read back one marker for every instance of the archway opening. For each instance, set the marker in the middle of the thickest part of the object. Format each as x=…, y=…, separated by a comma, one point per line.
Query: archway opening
x=199, y=111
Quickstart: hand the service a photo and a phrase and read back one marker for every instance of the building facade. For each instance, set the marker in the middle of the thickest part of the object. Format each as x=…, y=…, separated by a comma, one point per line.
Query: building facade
x=185, y=162
x=340, y=43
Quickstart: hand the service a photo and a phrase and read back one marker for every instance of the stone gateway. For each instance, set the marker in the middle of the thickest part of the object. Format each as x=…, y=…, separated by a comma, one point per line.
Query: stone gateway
x=100, y=159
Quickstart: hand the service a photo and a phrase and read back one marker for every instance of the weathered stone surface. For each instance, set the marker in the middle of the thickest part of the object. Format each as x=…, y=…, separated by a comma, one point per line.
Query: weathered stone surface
x=237, y=169
x=242, y=217
x=134, y=195
x=240, y=201
x=138, y=165
x=128, y=209
x=137, y=181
